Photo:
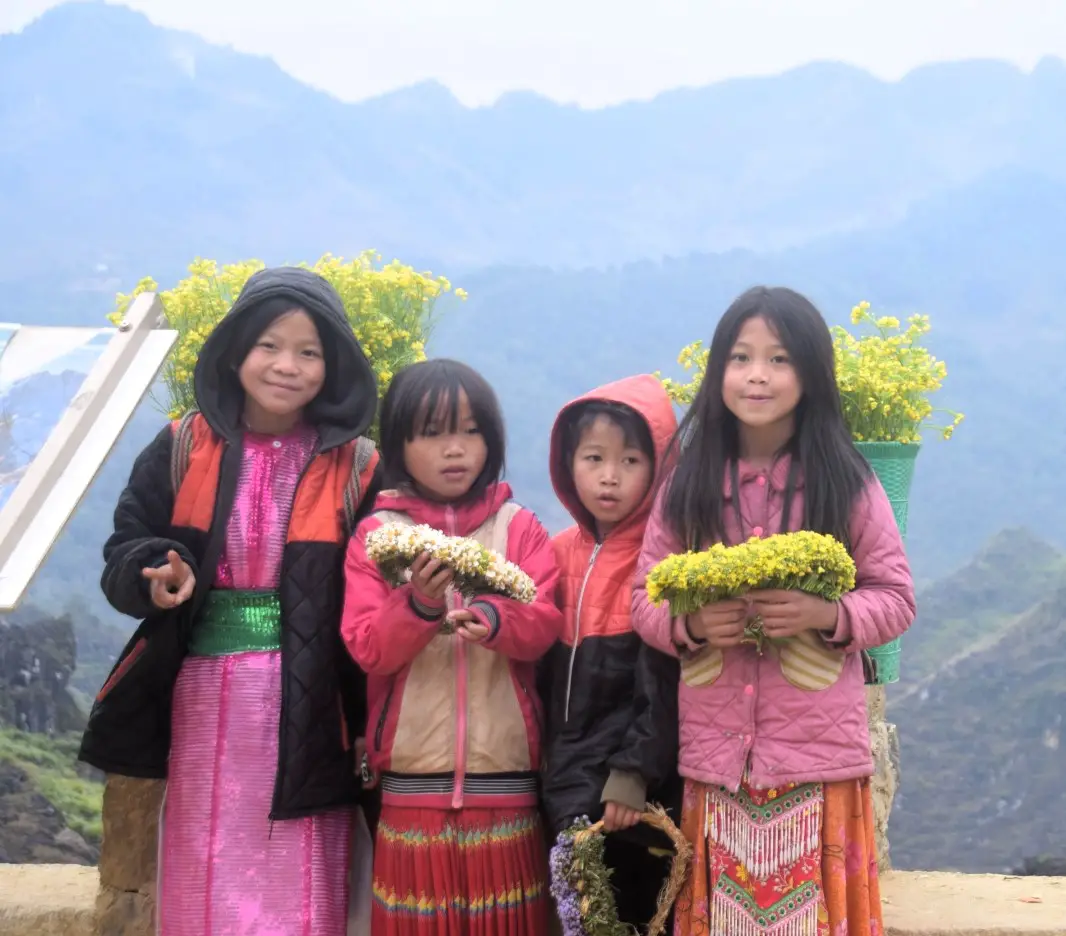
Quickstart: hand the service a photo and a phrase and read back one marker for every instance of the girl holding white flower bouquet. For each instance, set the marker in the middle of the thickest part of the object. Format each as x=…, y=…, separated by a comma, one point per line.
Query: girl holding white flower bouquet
x=774, y=745
x=449, y=637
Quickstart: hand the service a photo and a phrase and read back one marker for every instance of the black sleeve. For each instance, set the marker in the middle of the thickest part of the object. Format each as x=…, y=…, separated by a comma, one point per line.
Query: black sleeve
x=650, y=746
x=353, y=679
x=142, y=531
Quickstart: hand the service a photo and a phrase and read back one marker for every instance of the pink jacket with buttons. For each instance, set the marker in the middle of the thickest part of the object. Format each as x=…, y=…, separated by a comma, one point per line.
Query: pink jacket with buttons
x=750, y=710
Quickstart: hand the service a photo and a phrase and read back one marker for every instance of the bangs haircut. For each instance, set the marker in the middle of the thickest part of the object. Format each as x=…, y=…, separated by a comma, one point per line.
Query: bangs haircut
x=582, y=417
x=707, y=442
x=425, y=396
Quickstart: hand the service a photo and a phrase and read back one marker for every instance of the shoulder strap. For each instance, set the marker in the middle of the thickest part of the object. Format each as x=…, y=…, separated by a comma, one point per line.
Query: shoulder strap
x=181, y=448
x=501, y=523
x=363, y=463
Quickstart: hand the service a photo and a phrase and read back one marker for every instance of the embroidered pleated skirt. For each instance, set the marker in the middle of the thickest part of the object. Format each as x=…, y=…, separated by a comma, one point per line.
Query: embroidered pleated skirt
x=470, y=872
x=225, y=869
x=796, y=861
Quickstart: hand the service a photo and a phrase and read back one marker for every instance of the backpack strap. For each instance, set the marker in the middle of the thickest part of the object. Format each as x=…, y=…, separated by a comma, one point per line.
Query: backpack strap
x=364, y=461
x=181, y=448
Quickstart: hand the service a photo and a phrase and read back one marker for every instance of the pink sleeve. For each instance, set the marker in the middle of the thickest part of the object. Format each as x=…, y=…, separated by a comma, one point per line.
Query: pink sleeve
x=882, y=605
x=525, y=632
x=379, y=626
x=654, y=624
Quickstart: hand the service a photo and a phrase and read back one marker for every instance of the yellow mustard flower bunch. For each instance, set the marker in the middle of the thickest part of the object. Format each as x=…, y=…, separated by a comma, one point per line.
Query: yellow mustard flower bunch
x=478, y=569
x=391, y=308
x=692, y=358
x=886, y=377
x=802, y=561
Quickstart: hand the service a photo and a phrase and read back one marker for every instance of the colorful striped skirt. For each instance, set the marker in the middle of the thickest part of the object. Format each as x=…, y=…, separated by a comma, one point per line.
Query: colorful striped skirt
x=471, y=872
x=796, y=861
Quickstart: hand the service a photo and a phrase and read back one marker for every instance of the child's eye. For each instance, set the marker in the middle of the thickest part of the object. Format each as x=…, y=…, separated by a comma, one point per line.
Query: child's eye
x=593, y=458
x=779, y=359
x=312, y=353
x=474, y=430
x=430, y=432
x=269, y=345
x=738, y=356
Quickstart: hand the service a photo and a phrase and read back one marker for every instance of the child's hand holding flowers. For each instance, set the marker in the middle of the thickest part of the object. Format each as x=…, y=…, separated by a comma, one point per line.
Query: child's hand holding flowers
x=430, y=579
x=467, y=625
x=788, y=613
x=720, y=624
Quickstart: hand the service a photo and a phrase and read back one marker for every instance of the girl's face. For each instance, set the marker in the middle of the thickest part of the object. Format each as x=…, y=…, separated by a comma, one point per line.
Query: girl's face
x=445, y=460
x=761, y=388
x=282, y=373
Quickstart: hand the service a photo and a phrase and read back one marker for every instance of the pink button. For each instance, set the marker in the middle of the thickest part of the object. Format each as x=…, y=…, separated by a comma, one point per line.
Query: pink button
x=762, y=481
x=756, y=531
x=749, y=689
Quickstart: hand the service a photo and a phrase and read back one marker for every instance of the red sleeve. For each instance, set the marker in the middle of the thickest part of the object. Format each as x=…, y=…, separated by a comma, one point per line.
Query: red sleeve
x=654, y=624
x=525, y=631
x=379, y=626
x=882, y=606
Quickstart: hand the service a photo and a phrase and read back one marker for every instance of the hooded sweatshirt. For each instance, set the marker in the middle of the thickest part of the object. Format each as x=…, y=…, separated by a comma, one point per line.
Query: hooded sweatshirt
x=611, y=700
x=323, y=694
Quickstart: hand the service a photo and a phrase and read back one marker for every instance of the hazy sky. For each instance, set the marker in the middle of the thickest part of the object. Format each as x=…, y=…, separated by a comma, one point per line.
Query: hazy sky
x=597, y=51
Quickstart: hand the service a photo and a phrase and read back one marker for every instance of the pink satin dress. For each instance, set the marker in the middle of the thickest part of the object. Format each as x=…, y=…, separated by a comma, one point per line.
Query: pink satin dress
x=225, y=869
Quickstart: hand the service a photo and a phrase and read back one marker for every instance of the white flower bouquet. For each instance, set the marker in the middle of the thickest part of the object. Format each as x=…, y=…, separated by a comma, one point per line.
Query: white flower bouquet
x=478, y=570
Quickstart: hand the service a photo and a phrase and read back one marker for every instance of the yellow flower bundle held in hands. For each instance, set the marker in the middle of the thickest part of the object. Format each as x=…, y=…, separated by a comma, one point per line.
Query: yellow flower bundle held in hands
x=478, y=570
x=814, y=563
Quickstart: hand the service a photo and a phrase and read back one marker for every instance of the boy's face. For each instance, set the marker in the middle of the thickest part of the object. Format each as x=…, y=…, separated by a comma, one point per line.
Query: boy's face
x=611, y=477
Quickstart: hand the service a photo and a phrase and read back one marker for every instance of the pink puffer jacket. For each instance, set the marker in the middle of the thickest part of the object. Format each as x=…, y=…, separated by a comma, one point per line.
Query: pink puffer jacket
x=747, y=708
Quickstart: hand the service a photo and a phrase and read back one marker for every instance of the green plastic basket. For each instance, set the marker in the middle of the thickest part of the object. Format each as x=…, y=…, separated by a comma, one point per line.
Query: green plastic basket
x=893, y=463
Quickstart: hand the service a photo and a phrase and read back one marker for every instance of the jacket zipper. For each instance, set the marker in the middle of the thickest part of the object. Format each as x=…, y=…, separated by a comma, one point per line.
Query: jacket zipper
x=379, y=732
x=461, y=700
x=532, y=705
x=577, y=629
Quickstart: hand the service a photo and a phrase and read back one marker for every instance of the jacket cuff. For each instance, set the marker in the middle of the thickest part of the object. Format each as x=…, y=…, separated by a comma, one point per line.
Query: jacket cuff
x=427, y=612
x=488, y=616
x=684, y=641
x=840, y=636
x=626, y=788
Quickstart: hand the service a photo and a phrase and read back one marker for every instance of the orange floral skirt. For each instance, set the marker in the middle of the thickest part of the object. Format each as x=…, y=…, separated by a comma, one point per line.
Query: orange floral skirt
x=795, y=861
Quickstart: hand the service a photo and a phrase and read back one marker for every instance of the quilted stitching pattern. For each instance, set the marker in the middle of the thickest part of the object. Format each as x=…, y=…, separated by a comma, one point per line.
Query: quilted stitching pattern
x=752, y=710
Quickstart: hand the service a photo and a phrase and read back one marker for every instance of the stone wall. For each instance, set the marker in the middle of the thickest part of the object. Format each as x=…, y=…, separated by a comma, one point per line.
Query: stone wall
x=59, y=900
x=125, y=904
x=885, y=745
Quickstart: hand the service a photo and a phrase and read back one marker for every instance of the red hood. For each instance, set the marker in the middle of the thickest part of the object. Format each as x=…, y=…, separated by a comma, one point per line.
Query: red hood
x=646, y=395
x=460, y=519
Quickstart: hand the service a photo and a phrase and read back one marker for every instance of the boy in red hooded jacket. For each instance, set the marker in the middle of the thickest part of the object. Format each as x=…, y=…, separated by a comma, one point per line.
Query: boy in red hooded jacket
x=611, y=700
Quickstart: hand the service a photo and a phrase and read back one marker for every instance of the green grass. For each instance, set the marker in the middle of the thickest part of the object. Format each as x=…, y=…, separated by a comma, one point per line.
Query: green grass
x=51, y=764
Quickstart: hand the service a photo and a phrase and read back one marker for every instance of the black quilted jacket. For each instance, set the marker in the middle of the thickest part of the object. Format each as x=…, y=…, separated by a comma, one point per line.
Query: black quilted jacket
x=129, y=726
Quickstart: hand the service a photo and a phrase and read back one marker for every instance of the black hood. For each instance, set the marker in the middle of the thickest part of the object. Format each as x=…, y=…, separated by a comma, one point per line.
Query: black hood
x=345, y=407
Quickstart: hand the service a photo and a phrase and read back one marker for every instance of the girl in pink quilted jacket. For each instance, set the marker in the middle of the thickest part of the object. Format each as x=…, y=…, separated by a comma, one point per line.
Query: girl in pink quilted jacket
x=774, y=746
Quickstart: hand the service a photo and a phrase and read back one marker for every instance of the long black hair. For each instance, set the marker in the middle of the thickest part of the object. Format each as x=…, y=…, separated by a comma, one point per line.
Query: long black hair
x=707, y=442
x=414, y=401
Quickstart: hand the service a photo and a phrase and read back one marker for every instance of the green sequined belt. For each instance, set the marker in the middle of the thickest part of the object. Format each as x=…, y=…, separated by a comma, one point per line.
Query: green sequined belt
x=237, y=622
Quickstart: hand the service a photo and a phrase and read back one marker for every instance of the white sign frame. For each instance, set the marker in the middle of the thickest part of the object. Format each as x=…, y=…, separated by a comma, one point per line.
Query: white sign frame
x=55, y=482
